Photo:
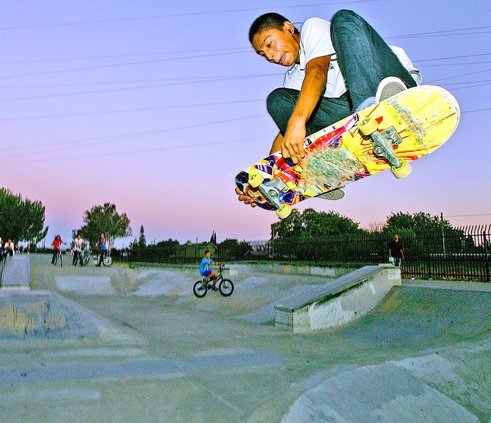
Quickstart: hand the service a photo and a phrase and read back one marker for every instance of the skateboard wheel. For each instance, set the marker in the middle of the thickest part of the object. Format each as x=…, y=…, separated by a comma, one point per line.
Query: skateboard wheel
x=255, y=178
x=402, y=171
x=368, y=126
x=284, y=212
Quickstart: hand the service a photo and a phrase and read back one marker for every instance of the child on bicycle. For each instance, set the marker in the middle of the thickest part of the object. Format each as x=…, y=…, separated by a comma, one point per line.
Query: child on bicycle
x=56, y=248
x=103, y=248
x=205, y=268
x=77, y=250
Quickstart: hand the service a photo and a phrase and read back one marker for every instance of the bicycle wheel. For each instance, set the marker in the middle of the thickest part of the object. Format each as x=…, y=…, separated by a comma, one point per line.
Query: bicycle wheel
x=226, y=287
x=200, y=289
x=107, y=261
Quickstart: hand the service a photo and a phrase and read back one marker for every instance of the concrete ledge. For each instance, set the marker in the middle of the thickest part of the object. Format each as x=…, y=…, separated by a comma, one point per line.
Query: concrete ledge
x=296, y=269
x=17, y=272
x=338, y=302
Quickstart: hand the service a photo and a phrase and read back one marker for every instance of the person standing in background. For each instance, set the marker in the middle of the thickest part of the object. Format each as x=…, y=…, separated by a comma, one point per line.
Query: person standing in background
x=396, y=251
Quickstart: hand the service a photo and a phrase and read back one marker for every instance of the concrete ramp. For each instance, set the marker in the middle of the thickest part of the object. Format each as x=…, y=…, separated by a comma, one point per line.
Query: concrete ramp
x=16, y=272
x=338, y=302
x=31, y=319
x=397, y=391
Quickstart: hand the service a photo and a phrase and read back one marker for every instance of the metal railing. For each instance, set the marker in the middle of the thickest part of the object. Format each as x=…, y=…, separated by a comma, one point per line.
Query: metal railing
x=453, y=253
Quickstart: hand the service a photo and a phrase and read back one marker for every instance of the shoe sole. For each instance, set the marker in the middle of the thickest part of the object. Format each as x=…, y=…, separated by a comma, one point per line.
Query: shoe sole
x=389, y=87
x=333, y=195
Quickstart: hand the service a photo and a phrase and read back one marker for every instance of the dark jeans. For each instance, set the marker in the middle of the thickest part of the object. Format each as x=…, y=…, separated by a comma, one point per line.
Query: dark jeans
x=364, y=59
x=77, y=256
x=101, y=257
x=55, y=253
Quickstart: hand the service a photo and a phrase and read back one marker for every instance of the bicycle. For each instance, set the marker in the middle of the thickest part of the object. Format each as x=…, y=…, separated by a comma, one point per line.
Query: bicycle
x=57, y=257
x=88, y=256
x=225, y=286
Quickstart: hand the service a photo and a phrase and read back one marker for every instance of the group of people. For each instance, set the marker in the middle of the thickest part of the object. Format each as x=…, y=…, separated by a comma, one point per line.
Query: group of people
x=79, y=246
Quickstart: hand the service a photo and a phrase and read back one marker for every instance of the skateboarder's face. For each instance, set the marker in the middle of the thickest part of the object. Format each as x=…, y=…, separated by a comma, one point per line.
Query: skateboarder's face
x=278, y=46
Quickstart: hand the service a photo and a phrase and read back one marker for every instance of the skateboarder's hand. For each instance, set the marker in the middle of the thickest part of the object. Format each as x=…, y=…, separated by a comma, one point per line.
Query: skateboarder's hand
x=245, y=198
x=292, y=145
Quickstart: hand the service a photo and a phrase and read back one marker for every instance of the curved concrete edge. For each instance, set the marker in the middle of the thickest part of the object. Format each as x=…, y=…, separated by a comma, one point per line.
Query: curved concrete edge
x=438, y=387
x=338, y=302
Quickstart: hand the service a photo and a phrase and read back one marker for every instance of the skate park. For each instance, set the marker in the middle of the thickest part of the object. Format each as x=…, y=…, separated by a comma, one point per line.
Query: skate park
x=291, y=344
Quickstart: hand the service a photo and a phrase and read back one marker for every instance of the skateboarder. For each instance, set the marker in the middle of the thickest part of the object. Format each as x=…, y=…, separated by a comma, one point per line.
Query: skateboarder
x=335, y=68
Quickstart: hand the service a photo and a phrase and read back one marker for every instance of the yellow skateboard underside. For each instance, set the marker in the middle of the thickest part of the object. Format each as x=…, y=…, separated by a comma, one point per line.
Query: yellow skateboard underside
x=415, y=123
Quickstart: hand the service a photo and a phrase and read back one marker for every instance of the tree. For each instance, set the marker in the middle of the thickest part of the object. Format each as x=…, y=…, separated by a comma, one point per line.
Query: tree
x=106, y=219
x=21, y=219
x=423, y=232
x=419, y=223
x=287, y=228
x=233, y=249
x=310, y=235
x=322, y=224
x=313, y=225
x=213, y=239
x=142, y=242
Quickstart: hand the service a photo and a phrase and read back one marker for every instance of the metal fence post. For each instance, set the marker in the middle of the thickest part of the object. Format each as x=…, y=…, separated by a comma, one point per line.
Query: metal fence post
x=486, y=260
x=427, y=238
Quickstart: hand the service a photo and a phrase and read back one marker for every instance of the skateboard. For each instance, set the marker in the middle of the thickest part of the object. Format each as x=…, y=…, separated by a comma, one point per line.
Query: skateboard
x=387, y=135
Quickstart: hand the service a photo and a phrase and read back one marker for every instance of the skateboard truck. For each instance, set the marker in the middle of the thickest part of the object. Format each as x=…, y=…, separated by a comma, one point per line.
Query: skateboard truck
x=271, y=191
x=383, y=143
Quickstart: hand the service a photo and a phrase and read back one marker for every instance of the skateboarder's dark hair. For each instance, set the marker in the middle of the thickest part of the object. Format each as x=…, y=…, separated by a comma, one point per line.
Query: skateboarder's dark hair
x=267, y=21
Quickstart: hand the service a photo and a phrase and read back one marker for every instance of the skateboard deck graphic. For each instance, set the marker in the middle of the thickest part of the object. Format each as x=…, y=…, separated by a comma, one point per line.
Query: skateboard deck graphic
x=390, y=134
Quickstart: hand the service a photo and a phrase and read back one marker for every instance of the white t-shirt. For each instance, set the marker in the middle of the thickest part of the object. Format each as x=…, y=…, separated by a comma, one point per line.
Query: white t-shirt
x=77, y=244
x=9, y=247
x=315, y=41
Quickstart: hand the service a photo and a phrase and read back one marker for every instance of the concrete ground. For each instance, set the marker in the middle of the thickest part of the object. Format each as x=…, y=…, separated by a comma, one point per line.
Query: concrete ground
x=134, y=345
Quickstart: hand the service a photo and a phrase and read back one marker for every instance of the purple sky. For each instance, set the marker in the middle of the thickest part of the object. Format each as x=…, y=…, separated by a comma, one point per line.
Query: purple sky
x=155, y=106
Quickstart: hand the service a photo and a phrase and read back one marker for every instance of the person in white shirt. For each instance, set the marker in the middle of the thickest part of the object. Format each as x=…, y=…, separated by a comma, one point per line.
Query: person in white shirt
x=9, y=248
x=334, y=69
x=78, y=243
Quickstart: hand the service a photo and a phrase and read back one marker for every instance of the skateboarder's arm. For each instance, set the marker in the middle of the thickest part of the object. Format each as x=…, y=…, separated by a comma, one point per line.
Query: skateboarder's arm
x=313, y=86
x=276, y=143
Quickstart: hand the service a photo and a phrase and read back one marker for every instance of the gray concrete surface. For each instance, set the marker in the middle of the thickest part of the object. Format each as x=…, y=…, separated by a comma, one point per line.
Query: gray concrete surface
x=337, y=302
x=422, y=355
x=16, y=272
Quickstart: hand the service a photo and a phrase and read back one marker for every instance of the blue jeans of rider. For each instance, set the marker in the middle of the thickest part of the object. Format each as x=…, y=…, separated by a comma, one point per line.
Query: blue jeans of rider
x=364, y=59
